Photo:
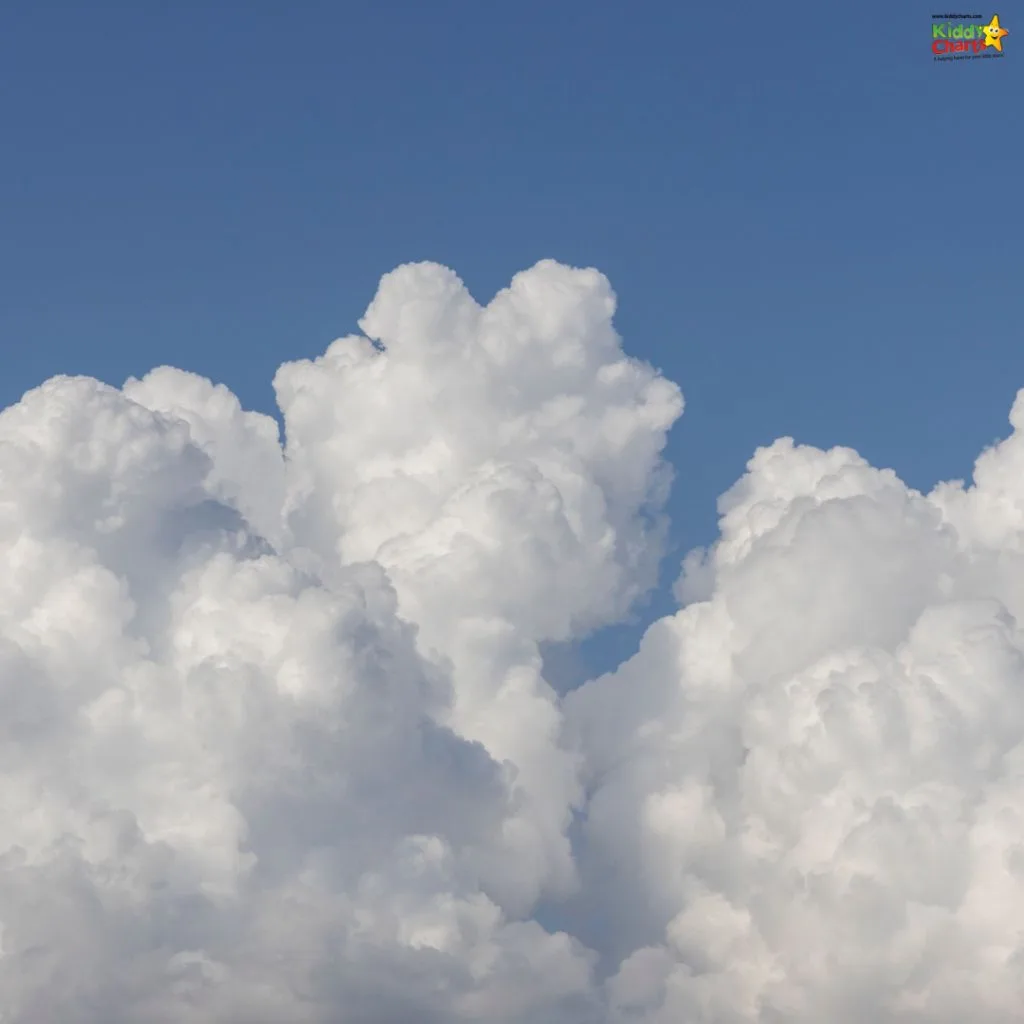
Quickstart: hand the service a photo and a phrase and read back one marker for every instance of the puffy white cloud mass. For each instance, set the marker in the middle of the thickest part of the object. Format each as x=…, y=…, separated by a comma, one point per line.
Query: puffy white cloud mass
x=278, y=748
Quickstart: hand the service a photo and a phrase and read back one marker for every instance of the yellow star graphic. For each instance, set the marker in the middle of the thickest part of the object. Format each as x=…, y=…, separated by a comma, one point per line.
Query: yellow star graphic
x=994, y=33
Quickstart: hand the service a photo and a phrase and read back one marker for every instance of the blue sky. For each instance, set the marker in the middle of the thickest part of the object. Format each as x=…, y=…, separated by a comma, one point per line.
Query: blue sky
x=811, y=226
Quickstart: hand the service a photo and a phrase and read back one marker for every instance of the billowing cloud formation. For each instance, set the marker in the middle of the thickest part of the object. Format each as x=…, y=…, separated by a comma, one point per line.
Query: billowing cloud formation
x=816, y=768
x=277, y=744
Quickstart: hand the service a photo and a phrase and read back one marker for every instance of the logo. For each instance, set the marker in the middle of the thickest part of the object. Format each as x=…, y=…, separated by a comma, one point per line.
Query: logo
x=966, y=37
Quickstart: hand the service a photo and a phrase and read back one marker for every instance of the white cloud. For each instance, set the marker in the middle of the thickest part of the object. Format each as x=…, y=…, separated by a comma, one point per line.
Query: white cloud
x=277, y=745
x=813, y=773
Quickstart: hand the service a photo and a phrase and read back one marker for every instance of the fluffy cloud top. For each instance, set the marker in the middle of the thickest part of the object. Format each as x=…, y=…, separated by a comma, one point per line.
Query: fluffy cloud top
x=277, y=744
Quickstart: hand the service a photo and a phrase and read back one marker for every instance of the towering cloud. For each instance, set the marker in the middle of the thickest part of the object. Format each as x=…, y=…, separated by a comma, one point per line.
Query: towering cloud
x=277, y=746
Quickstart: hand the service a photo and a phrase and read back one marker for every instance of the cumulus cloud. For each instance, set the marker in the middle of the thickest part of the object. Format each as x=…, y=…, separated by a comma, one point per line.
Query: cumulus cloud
x=277, y=743
x=812, y=772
